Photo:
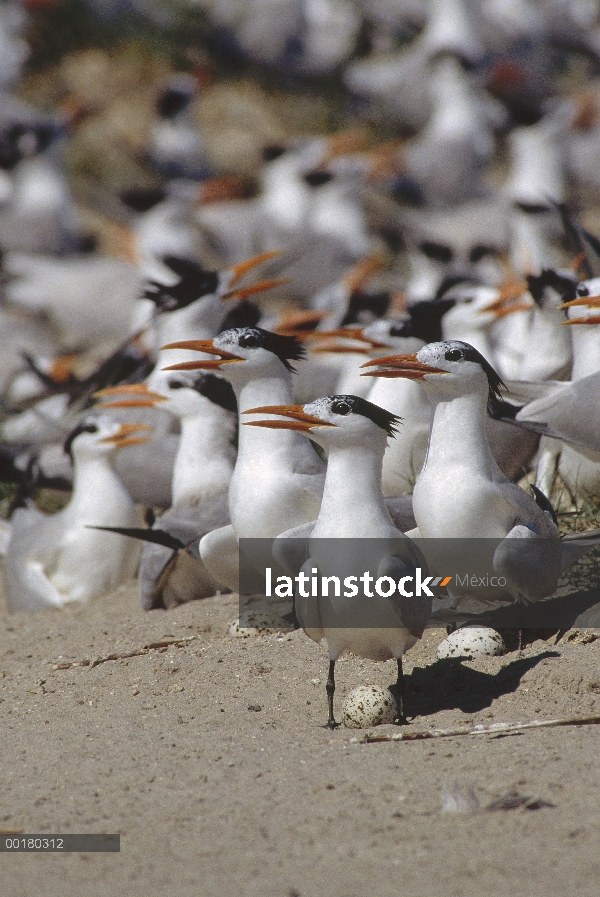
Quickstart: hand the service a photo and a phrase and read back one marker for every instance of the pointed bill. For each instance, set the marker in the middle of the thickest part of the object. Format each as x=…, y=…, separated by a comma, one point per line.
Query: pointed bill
x=298, y=418
x=261, y=287
x=407, y=366
x=125, y=435
x=242, y=268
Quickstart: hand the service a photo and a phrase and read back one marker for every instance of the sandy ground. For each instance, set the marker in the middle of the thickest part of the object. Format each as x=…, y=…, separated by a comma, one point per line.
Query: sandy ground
x=213, y=798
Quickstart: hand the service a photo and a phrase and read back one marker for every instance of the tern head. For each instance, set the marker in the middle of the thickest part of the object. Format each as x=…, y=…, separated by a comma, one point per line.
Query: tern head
x=99, y=434
x=478, y=307
x=196, y=282
x=183, y=393
x=242, y=353
x=332, y=421
x=446, y=369
x=584, y=308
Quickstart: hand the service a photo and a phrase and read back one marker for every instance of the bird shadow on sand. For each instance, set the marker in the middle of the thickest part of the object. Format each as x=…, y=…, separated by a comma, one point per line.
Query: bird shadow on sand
x=449, y=684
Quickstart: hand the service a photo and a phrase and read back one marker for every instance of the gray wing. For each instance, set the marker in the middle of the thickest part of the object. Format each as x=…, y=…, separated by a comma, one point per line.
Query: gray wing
x=569, y=413
x=412, y=612
x=290, y=549
x=401, y=511
x=575, y=545
x=530, y=563
x=307, y=609
x=171, y=576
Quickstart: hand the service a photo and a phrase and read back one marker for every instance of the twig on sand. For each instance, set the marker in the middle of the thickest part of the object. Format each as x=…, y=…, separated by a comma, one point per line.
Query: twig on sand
x=137, y=652
x=492, y=729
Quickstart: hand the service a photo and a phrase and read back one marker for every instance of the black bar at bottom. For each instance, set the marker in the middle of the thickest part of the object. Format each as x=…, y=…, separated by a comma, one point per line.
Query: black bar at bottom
x=60, y=843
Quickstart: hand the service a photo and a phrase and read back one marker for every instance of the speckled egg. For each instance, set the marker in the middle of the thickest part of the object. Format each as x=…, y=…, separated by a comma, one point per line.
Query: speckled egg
x=254, y=623
x=367, y=706
x=471, y=641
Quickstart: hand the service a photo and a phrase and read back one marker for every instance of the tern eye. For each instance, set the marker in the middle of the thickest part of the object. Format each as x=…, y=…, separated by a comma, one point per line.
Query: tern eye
x=176, y=384
x=248, y=341
x=453, y=355
x=341, y=408
x=583, y=291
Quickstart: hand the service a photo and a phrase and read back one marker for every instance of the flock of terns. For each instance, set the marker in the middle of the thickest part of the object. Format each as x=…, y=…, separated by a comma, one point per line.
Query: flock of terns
x=381, y=353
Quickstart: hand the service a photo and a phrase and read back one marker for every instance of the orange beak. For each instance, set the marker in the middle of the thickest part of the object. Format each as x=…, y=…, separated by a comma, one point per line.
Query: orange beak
x=336, y=348
x=201, y=345
x=261, y=287
x=349, y=141
x=124, y=437
x=593, y=319
x=293, y=321
x=354, y=333
x=242, y=268
x=512, y=288
x=506, y=305
x=406, y=366
x=62, y=368
x=590, y=301
x=299, y=420
x=362, y=272
x=143, y=397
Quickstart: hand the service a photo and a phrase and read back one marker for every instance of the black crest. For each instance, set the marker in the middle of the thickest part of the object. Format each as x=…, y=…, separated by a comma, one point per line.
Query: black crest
x=495, y=382
x=172, y=101
x=272, y=151
x=242, y=314
x=195, y=282
x=564, y=285
x=366, y=307
x=142, y=199
x=317, y=178
x=426, y=318
x=86, y=426
x=287, y=348
x=344, y=405
x=217, y=390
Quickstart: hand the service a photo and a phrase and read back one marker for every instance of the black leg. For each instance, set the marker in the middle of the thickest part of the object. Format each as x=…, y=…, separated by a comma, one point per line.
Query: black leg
x=331, y=723
x=400, y=692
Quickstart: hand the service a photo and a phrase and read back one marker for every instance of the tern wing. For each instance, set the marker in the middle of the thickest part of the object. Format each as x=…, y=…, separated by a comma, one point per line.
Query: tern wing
x=290, y=549
x=31, y=550
x=27, y=586
x=307, y=609
x=5, y=534
x=529, y=562
x=413, y=612
x=401, y=512
x=575, y=545
x=522, y=392
x=568, y=413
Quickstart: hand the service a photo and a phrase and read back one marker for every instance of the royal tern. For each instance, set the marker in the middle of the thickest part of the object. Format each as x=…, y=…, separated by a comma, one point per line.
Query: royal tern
x=277, y=482
x=354, y=432
x=560, y=410
x=461, y=493
x=51, y=560
x=176, y=148
x=171, y=572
